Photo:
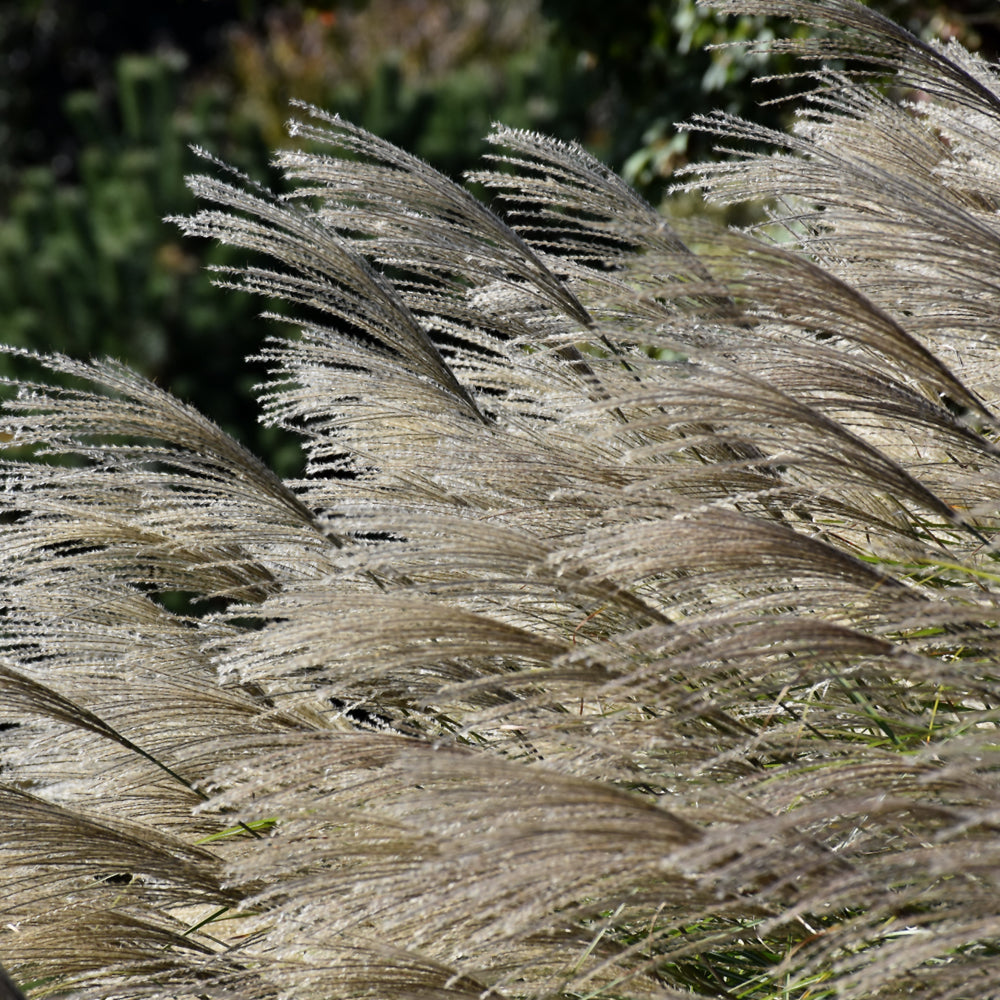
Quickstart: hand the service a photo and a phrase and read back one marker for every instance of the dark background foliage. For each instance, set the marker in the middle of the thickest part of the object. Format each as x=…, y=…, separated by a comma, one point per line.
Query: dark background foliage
x=99, y=105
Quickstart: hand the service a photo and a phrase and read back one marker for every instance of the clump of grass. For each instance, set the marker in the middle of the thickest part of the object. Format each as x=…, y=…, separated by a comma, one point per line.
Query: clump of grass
x=633, y=630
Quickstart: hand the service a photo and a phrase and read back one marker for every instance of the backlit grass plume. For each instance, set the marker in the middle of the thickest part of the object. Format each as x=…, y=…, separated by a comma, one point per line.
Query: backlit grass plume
x=633, y=631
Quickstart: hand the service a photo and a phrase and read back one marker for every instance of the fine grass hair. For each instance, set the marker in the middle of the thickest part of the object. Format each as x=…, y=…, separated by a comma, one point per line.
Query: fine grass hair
x=632, y=631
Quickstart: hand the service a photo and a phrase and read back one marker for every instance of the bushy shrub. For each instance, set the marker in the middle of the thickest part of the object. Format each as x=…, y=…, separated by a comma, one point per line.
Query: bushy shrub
x=633, y=630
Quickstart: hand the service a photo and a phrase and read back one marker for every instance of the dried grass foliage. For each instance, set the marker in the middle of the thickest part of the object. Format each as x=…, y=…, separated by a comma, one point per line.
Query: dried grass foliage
x=632, y=632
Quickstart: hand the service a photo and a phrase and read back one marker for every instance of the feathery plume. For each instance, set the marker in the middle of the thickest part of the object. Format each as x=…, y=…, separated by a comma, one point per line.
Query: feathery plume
x=632, y=632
